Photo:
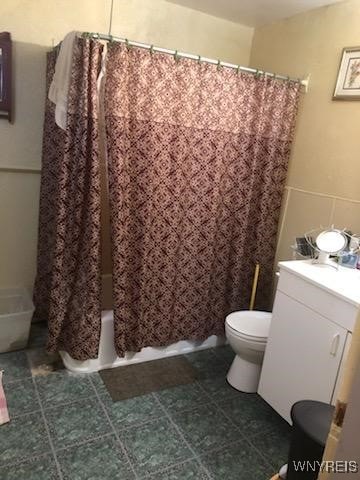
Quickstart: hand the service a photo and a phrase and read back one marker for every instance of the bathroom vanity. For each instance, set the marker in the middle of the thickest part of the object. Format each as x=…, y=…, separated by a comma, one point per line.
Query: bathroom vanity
x=314, y=314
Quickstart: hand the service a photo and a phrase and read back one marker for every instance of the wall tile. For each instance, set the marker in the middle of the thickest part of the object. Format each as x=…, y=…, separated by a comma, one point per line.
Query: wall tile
x=347, y=215
x=305, y=211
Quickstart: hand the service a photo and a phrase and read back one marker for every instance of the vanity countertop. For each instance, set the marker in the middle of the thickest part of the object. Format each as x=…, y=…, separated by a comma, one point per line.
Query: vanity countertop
x=342, y=282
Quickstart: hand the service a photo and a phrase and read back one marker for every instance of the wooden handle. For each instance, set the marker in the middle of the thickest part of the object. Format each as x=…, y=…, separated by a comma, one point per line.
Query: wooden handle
x=254, y=286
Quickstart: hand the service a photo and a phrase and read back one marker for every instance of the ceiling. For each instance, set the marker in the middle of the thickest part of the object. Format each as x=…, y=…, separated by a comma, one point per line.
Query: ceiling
x=253, y=12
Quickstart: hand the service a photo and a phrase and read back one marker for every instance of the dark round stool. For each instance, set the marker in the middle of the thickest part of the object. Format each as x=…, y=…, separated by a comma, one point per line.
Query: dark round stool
x=311, y=425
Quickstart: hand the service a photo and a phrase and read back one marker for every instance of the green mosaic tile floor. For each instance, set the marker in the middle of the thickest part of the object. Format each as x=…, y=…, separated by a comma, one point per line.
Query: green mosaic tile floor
x=66, y=427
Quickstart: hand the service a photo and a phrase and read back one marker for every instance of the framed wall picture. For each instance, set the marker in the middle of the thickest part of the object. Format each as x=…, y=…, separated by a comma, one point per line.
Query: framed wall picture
x=348, y=81
x=5, y=76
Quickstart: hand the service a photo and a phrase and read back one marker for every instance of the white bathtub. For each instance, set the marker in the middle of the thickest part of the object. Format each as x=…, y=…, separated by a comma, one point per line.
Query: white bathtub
x=108, y=358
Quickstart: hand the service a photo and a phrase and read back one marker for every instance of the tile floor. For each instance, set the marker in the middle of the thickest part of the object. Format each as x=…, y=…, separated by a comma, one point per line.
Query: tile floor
x=66, y=427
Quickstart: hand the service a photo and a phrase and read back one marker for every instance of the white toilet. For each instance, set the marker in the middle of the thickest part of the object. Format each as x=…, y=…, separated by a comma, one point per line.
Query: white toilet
x=247, y=332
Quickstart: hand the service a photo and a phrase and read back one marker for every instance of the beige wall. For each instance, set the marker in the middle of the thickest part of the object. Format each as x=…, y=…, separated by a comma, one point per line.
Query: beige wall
x=35, y=26
x=323, y=181
x=324, y=168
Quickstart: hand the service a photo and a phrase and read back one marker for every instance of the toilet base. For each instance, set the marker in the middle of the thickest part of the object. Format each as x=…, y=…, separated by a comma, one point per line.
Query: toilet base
x=244, y=375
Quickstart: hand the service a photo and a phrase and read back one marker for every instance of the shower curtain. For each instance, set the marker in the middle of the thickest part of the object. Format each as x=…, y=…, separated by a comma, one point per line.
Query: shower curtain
x=197, y=160
x=67, y=286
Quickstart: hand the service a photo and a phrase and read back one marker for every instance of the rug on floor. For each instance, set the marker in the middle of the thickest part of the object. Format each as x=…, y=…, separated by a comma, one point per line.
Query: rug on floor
x=139, y=379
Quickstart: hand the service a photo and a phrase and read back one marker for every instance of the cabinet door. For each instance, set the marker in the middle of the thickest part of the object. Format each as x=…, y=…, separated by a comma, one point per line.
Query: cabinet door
x=341, y=368
x=302, y=357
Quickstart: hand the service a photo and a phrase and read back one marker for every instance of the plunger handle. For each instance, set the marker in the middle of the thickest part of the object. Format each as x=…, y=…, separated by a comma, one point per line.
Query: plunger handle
x=254, y=286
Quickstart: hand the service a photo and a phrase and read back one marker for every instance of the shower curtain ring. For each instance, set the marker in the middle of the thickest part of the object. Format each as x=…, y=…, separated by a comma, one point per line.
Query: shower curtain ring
x=218, y=64
x=151, y=50
x=128, y=46
x=176, y=56
x=199, y=59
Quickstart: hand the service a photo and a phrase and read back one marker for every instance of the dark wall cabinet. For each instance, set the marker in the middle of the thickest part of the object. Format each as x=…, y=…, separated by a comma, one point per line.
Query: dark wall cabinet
x=5, y=76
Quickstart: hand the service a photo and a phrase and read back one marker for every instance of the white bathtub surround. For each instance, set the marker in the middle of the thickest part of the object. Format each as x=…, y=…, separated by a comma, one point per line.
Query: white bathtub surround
x=108, y=357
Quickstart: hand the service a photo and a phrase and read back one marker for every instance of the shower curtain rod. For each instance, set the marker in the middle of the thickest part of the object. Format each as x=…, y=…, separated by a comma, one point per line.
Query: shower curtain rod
x=199, y=58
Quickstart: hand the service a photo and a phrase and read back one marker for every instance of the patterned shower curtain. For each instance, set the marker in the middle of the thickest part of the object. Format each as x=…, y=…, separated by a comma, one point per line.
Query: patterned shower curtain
x=67, y=286
x=197, y=163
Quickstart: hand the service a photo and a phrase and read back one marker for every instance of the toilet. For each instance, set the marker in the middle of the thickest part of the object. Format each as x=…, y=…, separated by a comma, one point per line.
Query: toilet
x=247, y=332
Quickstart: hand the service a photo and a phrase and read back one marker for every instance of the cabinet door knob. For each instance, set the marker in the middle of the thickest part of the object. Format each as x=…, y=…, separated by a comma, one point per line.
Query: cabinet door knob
x=335, y=344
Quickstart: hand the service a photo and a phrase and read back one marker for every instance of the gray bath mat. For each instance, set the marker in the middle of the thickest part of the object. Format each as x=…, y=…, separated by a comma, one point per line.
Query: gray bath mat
x=142, y=378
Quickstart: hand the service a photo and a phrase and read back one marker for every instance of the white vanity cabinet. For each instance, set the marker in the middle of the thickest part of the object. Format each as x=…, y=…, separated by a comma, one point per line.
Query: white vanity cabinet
x=314, y=314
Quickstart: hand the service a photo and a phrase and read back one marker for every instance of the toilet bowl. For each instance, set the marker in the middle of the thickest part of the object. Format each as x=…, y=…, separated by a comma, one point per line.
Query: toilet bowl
x=247, y=333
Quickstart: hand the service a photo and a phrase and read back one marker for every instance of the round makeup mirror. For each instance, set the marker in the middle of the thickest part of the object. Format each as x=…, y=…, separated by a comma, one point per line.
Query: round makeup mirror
x=331, y=242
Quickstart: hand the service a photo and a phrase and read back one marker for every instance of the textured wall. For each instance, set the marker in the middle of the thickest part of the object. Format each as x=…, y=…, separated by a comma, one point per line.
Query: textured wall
x=323, y=180
x=37, y=25
x=323, y=173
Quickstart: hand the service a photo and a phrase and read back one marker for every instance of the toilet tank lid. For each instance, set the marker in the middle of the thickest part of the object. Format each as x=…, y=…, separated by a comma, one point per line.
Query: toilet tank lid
x=253, y=323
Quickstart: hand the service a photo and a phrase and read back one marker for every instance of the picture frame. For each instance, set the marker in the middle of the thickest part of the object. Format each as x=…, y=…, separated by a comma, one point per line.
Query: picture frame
x=5, y=76
x=348, y=80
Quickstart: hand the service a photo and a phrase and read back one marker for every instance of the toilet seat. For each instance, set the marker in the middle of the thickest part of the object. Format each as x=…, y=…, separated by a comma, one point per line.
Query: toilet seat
x=245, y=337
x=250, y=325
